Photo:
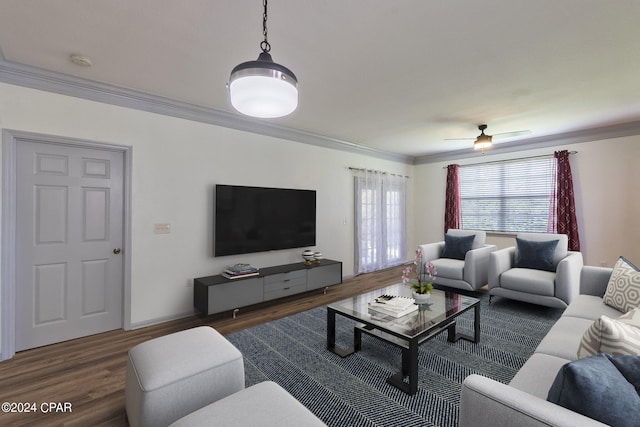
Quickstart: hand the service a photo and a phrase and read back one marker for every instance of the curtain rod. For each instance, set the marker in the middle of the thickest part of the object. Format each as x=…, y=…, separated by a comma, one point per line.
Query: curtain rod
x=377, y=171
x=512, y=160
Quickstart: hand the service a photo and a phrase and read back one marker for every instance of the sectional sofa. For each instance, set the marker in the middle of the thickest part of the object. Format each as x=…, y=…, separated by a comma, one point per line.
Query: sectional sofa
x=523, y=402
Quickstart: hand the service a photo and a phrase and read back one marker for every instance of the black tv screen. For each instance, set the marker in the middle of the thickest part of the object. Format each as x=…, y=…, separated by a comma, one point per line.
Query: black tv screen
x=258, y=219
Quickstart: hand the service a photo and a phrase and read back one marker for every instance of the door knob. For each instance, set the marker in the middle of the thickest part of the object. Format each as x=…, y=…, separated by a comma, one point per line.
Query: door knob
x=116, y=251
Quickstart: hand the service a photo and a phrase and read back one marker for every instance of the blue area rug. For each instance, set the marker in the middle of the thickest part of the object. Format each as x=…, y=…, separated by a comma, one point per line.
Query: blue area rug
x=353, y=391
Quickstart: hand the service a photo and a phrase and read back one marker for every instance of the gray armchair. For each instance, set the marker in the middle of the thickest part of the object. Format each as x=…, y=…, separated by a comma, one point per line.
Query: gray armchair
x=535, y=271
x=468, y=268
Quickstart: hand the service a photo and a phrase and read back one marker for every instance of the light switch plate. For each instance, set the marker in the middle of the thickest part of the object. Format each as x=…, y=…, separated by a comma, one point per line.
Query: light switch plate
x=162, y=228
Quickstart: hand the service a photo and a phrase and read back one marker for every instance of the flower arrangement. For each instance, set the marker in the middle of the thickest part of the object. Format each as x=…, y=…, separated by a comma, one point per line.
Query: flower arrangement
x=423, y=283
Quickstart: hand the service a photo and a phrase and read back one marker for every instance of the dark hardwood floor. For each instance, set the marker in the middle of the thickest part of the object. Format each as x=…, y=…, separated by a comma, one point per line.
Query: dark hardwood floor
x=88, y=374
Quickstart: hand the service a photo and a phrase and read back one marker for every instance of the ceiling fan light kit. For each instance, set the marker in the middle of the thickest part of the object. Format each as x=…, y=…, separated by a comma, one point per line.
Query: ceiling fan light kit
x=263, y=88
x=482, y=141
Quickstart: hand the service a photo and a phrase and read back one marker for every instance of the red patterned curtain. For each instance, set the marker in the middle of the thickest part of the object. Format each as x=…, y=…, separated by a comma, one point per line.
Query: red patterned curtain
x=564, y=220
x=452, y=208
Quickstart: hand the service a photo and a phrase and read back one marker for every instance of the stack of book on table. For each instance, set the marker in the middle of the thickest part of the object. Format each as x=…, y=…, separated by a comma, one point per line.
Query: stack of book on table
x=238, y=271
x=393, y=305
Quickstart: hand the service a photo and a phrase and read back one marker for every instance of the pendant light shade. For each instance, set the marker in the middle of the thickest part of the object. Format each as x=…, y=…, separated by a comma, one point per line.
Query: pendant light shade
x=263, y=88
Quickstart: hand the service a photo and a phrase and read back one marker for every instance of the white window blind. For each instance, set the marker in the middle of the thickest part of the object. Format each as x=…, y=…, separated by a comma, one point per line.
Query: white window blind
x=511, y=196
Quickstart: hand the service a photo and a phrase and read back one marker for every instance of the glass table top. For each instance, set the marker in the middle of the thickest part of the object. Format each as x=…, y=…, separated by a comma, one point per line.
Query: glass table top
x=442, y=305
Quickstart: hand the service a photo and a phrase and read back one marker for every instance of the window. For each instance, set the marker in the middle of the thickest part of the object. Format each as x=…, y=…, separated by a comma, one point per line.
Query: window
x=380, y=206
x=511, y=196
x=394, y=215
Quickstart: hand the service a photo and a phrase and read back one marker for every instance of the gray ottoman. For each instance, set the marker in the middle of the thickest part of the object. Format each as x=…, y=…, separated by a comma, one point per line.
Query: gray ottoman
x=264, y=404
x=172, y=376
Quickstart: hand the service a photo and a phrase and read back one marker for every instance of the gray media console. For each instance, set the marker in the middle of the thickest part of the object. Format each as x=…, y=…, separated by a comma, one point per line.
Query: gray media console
x=215, y=294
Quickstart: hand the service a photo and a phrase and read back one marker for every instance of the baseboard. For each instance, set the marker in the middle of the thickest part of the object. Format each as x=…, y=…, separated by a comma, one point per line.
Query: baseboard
x=144, y=324
x=158, y=320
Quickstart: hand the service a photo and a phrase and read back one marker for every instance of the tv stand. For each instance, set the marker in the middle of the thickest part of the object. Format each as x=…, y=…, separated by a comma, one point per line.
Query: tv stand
x=216, y=294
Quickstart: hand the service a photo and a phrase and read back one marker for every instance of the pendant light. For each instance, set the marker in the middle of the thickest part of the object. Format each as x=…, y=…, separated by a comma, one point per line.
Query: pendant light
x=263, y=88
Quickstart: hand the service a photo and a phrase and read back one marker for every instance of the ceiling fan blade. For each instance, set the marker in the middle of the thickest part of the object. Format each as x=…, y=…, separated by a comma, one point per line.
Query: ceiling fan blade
x=511, y=134
x=501, y=135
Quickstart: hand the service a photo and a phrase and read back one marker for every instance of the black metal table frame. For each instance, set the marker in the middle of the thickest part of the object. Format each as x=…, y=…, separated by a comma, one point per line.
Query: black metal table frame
x=409, y=346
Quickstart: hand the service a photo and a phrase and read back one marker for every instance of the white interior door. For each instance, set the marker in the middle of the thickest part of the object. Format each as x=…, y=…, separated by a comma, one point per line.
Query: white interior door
x=69, y=219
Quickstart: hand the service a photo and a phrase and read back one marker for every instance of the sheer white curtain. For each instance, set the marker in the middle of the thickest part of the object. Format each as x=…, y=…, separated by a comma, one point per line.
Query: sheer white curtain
x=380, y=220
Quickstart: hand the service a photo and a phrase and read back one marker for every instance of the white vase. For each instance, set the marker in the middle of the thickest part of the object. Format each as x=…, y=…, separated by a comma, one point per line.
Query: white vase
x=421, y=298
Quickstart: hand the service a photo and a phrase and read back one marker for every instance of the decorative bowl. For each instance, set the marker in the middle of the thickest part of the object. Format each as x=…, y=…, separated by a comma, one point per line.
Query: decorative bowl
x=307, y=256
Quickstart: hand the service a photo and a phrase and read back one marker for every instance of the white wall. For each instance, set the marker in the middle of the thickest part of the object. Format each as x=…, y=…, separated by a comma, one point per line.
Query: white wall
x=606, y=182
x=176, y=164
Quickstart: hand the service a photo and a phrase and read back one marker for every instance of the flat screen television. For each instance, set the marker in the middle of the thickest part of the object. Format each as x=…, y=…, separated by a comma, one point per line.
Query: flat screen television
x=258, y=219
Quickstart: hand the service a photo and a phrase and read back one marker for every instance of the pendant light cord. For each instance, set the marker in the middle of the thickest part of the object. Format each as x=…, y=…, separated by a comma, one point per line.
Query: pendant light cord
x=264, y=45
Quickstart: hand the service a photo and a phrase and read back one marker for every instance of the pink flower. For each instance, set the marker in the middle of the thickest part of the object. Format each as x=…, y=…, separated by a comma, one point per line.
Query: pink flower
x=421, y=270
x=431, y=270
x=405, y=275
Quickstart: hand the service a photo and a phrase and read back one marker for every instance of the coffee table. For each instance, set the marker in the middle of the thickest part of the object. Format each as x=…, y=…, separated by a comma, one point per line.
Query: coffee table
x=406, y=332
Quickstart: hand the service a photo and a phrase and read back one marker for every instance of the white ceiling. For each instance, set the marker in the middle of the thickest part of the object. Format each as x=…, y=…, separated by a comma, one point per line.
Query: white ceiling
x=400, y=76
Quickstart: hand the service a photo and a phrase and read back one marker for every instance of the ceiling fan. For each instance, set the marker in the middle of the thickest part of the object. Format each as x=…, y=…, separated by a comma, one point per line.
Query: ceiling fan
x=483, y=140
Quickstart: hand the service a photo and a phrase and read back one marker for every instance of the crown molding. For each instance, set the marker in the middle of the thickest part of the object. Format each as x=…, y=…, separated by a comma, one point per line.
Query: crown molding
x=63, y=84
x=50, y=81
x=567, y=138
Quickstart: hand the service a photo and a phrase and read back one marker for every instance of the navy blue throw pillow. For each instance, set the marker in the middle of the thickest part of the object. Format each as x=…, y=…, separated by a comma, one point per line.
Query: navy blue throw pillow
x=456, y=247
x=536, y=255
x=602, y=387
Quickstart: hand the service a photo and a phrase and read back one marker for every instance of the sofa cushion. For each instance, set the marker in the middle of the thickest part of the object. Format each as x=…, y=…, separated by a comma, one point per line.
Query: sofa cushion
x=537, y=374
x=536, y=255
x=449, y=268
x=564, y=337
x=173, y=375
x=623, y=289
x=590, y=307
x=529, y=281
x=615, y=336
x=456, y=247
x=601, y=387
x=264, y=404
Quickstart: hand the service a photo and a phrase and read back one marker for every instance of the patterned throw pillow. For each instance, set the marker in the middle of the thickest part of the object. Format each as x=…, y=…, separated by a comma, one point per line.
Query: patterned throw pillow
x=623, y=289
x=614, y=336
